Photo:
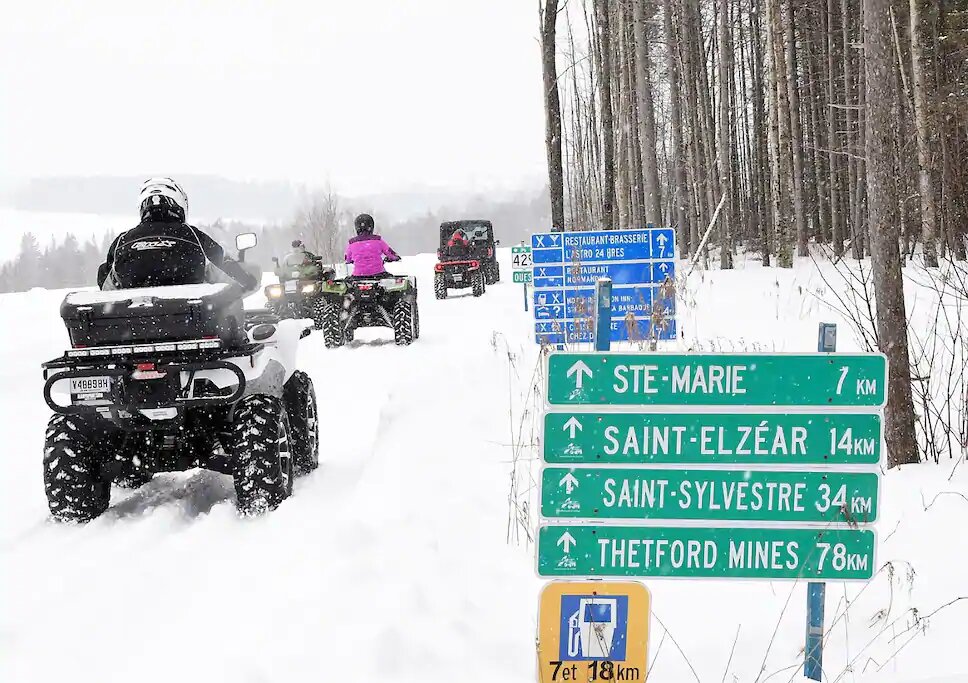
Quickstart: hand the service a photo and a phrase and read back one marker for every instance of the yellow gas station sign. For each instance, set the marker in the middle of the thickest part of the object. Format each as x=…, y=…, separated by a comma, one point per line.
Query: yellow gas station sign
x=593, y=631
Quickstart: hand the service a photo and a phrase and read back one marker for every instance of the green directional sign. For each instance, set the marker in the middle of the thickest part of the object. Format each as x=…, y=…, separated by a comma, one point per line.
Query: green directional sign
x=718, y=495
x=752, y=379
x=702, y=552
x=712, y=438
x=521, y=276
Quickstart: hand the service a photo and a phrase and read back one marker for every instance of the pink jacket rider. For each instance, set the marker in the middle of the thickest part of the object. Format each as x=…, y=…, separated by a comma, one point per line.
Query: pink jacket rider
x=366, y=253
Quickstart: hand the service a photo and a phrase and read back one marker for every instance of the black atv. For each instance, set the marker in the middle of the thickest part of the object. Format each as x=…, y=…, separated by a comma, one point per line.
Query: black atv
x=172, y=378
x=298, y=294
x=483, y=246
x=456, y=273
x=382, y=301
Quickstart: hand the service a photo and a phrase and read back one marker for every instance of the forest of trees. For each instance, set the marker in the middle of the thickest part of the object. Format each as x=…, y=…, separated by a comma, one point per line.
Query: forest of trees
x=658, y=111
x=768, y=126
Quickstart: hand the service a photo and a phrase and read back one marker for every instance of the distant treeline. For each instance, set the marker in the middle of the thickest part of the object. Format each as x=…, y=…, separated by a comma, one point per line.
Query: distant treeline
x=324, y=222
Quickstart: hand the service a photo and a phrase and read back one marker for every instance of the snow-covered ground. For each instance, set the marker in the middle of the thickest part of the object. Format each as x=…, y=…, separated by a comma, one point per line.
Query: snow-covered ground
x=392, y=561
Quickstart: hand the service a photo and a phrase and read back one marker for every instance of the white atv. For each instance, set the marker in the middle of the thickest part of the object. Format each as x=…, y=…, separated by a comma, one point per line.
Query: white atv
x=172, y=378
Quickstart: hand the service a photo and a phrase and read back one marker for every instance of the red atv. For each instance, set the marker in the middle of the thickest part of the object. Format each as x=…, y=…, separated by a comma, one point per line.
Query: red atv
x=455, y=269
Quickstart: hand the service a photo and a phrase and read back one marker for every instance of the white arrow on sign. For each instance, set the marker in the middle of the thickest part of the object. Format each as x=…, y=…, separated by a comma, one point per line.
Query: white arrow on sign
x=569, y=482
x=566, y=542
x=662, y=239
x=579, y=369
x=572, y=424
x=664, y=268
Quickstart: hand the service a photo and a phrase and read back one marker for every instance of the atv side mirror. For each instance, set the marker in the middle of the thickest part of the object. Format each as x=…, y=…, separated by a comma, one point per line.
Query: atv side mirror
x=497, y=243
x=275, y=259
x=244, y=242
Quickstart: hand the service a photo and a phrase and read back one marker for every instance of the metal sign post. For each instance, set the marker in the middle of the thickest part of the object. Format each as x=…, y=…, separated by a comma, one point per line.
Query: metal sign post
x=603, y=315
x=816, y=590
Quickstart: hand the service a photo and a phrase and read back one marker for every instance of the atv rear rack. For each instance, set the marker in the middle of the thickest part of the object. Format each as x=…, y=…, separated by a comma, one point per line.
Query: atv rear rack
x=189, y=350
x=167, y=394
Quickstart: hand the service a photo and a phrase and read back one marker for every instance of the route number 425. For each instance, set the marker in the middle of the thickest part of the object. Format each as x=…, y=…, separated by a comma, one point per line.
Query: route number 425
x=522, y=261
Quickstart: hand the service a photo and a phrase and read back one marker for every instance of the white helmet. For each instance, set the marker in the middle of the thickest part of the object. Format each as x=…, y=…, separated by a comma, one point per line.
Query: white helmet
x=164, y=195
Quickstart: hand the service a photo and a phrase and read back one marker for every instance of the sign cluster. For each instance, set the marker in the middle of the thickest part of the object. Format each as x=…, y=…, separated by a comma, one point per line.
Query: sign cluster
x=754, y=466
x=640, y=264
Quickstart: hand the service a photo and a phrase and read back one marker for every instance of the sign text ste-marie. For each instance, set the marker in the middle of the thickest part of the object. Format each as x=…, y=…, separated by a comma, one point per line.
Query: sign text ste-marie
x=830, y=380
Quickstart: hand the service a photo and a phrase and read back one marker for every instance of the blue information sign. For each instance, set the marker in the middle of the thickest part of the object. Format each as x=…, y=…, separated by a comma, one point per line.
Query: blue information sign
x=574, y=331
x=578, y=303
x=640, y=263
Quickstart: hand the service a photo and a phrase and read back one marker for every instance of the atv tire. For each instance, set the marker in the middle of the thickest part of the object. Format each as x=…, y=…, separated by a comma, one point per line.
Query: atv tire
x=332, y=326
x=299, y=398
x=440, y=286
x=262, y=451
x=319, y=314
x=493, y=273
x=76, y=489
x=478, y=284
x=405, y=322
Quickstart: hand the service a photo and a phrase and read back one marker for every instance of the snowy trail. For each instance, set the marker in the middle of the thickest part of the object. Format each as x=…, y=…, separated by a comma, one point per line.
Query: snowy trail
x=390, y=563
x=384, y=564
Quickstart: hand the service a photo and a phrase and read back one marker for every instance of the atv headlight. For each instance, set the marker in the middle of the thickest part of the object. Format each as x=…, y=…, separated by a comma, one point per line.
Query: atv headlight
x=309, y=289
x=274, y=291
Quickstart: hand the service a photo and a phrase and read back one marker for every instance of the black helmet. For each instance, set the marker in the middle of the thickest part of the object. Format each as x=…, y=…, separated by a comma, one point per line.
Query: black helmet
x=364, y=224
x=296, y=244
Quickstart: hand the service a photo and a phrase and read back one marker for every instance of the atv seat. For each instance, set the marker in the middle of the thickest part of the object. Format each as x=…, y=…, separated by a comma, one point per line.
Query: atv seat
x=155, y=314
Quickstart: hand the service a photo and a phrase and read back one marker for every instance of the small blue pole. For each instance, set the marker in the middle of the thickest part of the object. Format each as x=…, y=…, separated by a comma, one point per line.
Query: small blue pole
x=816, y=590
x=603, y=315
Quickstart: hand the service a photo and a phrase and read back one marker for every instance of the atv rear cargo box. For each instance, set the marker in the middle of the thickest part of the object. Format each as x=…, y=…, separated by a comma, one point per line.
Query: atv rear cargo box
x=156, y=314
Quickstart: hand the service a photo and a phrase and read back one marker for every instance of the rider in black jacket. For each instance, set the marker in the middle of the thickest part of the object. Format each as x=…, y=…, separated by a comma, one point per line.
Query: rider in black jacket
x=163, y=249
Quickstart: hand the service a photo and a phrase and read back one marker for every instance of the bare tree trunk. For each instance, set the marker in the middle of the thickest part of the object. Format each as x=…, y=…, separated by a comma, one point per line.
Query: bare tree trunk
x=647, y=136
x=818, y=160
x=635, y=125
x=764, y=127
x=556, y=183
x=849, y=147
x=886, y=257
x=925, y=184
x=860, y=216
x=605, y=99
x=724, y=147
x=836, y=227
x=786, y=226
x=773, y=143
x=678, y=174
x=796, y=134
x=620, y=108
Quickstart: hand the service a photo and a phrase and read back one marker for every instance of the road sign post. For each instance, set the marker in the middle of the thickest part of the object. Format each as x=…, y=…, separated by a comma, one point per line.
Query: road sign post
x=521, y=263
x=603, y=314
x=816, y=590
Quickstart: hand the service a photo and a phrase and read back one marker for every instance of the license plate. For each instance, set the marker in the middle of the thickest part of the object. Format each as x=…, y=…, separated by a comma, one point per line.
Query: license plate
x=458, y=277
x=291, y=286
x=90, y=387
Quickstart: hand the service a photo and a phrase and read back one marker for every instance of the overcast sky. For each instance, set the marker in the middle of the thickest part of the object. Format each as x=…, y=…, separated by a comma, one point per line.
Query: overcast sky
x=370, y=95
